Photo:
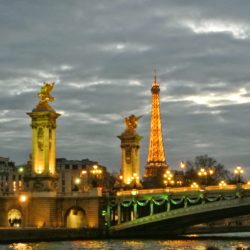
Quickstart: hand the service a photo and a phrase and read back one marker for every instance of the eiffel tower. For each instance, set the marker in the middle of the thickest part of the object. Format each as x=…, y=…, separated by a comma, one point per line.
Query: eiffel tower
x=156, y=164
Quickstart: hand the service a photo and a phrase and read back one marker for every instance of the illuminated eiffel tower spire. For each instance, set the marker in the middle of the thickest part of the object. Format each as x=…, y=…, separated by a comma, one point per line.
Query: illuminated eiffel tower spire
x=156, y=163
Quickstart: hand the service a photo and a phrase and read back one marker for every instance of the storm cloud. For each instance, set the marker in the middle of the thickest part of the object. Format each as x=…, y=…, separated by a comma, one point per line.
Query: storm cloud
x=102, y=54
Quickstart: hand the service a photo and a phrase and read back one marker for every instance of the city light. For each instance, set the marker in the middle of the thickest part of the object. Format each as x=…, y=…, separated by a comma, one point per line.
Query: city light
x=203, y=173
x=222, y=184
x=238, y=171
x=84, y=172
x=20, y=170
x=182, y=165
x=77, y=181
x=211, y=171
x=134, y=192
x=194, y=185
x=179, y=183
x=134, y=177
x=23, y=198
x=168, y=178
x=96, y=170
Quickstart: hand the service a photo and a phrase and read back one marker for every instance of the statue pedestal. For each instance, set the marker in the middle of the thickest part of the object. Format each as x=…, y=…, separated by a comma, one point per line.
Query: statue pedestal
x=130, y=170
x=42, y=183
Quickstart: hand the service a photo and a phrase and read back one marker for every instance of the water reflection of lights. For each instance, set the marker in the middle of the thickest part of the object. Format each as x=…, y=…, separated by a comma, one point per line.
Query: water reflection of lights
x=88, y=244
x=20, y=246
x=135, y=244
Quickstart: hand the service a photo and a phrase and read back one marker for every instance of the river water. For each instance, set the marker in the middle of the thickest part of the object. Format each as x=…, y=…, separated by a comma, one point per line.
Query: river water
x=192, y=243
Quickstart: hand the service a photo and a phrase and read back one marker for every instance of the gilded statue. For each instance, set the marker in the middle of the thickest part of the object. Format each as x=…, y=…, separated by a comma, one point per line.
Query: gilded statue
x=131, y=122
x=44, y=93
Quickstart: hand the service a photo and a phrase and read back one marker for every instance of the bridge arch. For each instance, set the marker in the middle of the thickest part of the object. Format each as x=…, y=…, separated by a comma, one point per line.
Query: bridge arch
x=14, y=217
x=75, y=217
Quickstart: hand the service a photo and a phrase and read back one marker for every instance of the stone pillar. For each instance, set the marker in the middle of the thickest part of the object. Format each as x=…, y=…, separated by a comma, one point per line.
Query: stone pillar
x=119, y=213
x=135, y=211
x=130, y=155
x=43, y=123
x=151, y=207
x=43, y=141
x=168, y=206
x=109, y=215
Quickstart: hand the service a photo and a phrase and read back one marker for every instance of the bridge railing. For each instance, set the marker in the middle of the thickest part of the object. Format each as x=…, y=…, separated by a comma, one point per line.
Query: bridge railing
x=179, y=190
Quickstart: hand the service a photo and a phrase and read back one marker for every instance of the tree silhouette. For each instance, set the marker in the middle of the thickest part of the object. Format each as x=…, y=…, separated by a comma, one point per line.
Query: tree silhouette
x=207, y=163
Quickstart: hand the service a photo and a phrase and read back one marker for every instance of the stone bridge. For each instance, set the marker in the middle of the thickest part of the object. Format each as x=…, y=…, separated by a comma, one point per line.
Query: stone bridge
x=50, y=209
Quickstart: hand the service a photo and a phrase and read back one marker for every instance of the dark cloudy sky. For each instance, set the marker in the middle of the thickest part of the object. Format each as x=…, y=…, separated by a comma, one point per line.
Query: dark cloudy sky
x=101, y=54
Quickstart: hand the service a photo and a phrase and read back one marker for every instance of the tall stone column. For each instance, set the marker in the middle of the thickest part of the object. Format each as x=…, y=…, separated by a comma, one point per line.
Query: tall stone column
x=43, y=123
x=130, y=160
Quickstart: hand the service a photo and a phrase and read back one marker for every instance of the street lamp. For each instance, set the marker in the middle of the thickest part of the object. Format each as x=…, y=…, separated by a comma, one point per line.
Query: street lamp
x=23, y=198
x=20, y=170
x=210, y=171
x=97, y=174
x=238, y=171
x=96, y=170
x=134, y=192
x=134, y=179
x=205, y=173
x=84, y=172
x=77, y=181
x=168, y=178
x=194, y=185
x=181, y=175
x=182, y=165
x=222, y=184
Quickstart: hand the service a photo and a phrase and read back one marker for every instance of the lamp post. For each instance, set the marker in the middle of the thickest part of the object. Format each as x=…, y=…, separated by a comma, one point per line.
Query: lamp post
x=203, y=173
x=134, y=180
x=222, y=184
x=168, y=178
x=77, y=182
x=238, y=171
x=181, y=178
x=120, y=178
x=194, y=185
x=97, y=173
x=183, y=165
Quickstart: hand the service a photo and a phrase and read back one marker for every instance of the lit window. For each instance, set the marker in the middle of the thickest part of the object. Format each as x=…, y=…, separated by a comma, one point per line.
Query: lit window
x=14, y=186
x=20, y=185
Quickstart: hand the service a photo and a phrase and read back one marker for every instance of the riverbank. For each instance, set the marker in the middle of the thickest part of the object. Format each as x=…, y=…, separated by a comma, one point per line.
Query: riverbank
x=8, y=235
